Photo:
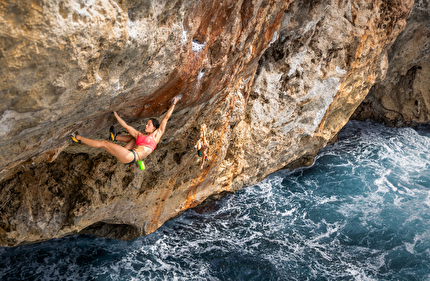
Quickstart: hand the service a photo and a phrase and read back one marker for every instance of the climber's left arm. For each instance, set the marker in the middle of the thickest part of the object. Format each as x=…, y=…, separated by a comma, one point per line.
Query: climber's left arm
x=163, y=122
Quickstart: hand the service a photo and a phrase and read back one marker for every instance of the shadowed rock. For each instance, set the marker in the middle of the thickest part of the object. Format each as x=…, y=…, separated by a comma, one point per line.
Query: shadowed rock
x=403, y=97
x=273, y=80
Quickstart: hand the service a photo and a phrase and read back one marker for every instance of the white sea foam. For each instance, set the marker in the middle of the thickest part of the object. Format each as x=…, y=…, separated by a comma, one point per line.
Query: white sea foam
x=354, y=215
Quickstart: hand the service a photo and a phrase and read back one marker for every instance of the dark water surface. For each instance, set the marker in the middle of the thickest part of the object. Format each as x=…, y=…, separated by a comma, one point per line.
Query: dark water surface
x=361, y=212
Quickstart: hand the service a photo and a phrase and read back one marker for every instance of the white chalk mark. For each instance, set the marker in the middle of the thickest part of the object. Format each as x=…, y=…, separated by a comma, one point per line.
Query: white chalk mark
x=197, y=47
x=274, y=37
x=200, y=75
x=115, y=93
x=184, y=37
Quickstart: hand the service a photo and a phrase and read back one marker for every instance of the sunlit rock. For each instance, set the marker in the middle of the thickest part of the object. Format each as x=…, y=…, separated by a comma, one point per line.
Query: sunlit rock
x=273, y=80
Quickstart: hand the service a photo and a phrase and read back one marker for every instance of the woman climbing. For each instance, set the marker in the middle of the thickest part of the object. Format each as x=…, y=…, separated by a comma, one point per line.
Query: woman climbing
x=138, y=145
x=202, y=146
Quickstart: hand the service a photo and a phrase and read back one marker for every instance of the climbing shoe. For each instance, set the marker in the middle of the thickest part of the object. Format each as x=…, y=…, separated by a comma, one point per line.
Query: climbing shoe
x=112, y=133
x=74, y=139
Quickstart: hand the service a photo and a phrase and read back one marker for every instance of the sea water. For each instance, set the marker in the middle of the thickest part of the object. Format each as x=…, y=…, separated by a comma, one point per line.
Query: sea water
x=361, y=212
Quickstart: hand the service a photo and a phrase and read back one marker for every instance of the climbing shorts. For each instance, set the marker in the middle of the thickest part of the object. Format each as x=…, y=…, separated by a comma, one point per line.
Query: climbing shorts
x=135, y=155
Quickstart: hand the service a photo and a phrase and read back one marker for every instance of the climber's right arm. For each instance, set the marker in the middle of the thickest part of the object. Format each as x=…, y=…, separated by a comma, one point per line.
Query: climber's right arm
x=132, y=131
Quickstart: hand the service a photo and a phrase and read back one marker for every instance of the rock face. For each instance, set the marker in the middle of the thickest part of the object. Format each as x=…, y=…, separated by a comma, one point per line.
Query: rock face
x=403, y=98
x=273, y=80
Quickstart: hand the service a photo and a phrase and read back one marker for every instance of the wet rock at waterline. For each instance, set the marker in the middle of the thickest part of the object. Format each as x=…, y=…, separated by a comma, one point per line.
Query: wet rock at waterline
x=274, y=81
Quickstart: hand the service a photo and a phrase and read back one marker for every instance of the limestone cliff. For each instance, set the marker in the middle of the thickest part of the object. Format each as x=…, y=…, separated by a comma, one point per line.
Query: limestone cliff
x=403, y=98
x=273, y=80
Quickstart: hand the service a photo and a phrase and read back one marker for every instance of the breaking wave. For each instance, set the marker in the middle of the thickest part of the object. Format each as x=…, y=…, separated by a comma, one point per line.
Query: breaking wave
x=361, y=212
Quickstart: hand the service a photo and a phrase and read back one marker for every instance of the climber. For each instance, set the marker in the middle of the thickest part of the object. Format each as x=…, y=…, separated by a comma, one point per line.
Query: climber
x=138, y=145
x=202, y=146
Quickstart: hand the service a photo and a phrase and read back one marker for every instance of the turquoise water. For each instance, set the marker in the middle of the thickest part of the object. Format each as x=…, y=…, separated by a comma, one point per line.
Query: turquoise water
x=361, y=212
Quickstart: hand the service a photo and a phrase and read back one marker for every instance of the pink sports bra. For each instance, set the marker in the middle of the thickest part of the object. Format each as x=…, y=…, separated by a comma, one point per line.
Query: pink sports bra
x=147, y=141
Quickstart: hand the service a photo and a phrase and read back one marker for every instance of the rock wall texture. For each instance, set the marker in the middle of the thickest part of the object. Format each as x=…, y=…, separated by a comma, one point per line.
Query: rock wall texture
x=403, y=98
x=273, y=80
